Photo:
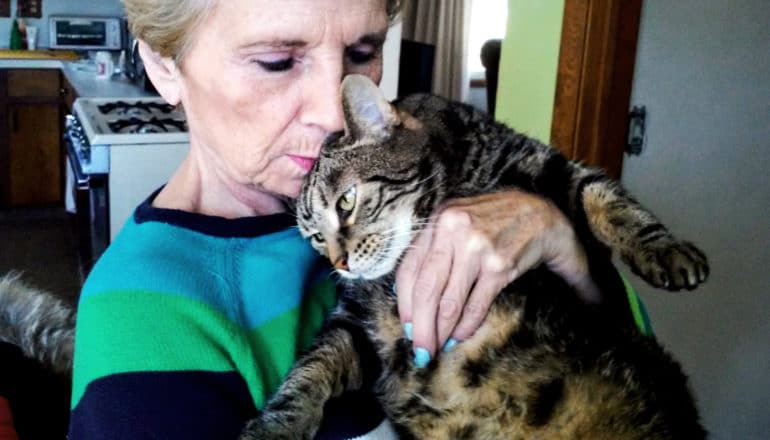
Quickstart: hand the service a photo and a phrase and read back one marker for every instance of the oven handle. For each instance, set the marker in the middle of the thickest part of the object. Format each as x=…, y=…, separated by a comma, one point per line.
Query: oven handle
x=81, y=179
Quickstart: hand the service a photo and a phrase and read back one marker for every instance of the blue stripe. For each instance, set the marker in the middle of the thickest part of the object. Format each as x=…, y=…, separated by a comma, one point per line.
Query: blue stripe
x=252, y=280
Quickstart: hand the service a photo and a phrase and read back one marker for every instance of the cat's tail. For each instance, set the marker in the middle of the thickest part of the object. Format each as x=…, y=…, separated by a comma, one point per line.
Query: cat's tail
x=39, y=323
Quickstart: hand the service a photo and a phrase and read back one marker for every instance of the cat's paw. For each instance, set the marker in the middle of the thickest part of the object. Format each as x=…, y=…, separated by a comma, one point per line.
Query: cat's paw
x=670, y=264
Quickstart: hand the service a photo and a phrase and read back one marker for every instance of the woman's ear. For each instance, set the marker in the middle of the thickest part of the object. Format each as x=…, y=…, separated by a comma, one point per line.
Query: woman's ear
x=163, y=73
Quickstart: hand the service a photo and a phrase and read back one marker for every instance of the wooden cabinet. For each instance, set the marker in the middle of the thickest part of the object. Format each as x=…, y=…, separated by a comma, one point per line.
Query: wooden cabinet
x=31, y=158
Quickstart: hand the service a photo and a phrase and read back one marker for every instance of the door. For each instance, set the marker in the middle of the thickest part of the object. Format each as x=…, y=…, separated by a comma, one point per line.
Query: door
x=703, y=72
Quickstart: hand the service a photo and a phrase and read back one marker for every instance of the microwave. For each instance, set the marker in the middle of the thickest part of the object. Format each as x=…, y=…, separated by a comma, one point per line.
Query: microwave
x=85, y=33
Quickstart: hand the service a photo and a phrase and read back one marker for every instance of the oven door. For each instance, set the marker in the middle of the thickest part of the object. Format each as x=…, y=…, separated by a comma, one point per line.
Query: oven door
x=87, y=199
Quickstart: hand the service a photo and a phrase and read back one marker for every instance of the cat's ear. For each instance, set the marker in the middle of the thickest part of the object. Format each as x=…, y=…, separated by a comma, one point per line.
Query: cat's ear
x=367, y=112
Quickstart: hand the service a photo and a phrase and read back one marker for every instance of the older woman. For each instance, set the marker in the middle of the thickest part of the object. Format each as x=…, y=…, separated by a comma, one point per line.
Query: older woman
x=197, y=310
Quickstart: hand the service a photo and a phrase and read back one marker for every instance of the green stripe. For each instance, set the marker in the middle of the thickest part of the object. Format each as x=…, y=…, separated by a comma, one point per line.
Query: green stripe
x=641, y=318
x=149, y=331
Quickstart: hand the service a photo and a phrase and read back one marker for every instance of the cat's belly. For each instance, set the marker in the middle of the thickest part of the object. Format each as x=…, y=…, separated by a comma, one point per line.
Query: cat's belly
x=503, y=382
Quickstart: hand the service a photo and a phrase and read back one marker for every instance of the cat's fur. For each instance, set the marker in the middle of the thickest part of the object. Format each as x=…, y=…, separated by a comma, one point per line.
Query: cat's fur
x=39, y=323
x=543, y=364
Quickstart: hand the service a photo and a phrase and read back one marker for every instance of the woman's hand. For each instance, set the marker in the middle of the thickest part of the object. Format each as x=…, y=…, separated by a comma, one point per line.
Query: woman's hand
x=474, y=247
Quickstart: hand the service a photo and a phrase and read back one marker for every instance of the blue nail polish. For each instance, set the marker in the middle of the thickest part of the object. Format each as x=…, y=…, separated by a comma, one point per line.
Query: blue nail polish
x=394, y=288
x=449, y=345
x=408, y=330
x=421, y=357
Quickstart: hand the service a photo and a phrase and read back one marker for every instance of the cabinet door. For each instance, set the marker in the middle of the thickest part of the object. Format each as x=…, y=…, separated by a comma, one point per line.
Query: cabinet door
x=34, y=156
x=37, y=83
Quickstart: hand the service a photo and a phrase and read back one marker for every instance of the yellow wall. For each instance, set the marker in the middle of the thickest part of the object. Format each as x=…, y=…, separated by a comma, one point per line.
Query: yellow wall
x=528, y=64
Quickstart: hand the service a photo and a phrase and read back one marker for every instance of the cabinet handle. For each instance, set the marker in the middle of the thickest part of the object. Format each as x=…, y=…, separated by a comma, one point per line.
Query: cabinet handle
x=15, y=121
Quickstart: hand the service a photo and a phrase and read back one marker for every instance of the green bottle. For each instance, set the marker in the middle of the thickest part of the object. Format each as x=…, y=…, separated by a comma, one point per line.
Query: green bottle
x=15, y=36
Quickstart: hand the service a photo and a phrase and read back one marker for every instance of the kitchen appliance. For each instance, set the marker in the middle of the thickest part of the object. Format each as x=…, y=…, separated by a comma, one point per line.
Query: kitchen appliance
x=85, y=33
x=118, y=152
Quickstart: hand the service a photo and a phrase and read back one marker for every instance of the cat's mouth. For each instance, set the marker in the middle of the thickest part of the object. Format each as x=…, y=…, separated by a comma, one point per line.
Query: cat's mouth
x=372, y=271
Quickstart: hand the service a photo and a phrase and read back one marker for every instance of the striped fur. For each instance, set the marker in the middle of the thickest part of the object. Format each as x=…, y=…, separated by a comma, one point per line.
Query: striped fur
x=543, y=364
x=39, y=323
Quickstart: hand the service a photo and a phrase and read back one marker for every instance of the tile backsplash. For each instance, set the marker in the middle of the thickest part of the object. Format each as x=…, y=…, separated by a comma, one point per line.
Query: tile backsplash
x=59, y=7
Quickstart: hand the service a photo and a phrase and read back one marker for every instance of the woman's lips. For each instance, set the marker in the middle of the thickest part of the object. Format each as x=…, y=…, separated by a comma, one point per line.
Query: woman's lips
x=304, y=162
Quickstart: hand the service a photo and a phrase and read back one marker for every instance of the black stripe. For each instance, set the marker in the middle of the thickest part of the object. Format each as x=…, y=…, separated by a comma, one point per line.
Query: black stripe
x=653, y=237
x=392, y=181
x=380, y=199
x=504, y=159
x=649, y=229
x=369, y=359
x=398, y=195
x=547, y=396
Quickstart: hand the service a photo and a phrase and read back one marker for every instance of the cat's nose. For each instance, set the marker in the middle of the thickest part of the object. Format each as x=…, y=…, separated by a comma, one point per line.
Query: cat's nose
x=341, y=262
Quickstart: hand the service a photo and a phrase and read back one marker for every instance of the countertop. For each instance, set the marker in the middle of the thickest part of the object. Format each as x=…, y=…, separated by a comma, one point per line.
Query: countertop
x=81, y=75
x=45, y=54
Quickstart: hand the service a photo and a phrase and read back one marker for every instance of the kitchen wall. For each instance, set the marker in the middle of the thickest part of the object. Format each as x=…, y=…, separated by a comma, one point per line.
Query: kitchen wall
x=60, y=7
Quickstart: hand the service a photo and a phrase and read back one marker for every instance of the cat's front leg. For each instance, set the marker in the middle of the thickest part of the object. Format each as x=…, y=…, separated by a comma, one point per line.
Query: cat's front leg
x=643, y=242
x=335, y=363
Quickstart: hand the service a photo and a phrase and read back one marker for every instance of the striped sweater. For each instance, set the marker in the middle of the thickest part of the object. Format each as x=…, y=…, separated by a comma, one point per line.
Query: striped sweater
x=188, y=322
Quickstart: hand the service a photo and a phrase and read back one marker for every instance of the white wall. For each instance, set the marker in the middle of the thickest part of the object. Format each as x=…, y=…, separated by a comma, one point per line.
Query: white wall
x=60, y=7
x=703, y=71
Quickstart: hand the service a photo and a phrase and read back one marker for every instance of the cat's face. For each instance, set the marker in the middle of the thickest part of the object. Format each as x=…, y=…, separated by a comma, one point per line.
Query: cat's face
x=358, y=206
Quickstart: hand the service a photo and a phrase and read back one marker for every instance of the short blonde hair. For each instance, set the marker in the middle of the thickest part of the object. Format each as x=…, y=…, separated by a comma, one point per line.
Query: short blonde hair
x=167, y=26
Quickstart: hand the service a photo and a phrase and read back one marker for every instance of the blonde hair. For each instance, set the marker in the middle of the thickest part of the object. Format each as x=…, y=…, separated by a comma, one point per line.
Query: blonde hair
x=168, y=26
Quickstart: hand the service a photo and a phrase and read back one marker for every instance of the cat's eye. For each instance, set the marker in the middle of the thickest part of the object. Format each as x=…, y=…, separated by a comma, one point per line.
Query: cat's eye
x=347, y=202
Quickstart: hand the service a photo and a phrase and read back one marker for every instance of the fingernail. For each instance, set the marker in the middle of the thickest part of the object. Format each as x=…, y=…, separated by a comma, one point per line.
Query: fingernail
x=394, y=288
x=408, y=330
x=449, y=345
x=421, y=357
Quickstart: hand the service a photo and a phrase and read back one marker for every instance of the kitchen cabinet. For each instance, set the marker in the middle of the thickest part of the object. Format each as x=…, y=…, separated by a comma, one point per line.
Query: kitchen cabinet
x=31, y=158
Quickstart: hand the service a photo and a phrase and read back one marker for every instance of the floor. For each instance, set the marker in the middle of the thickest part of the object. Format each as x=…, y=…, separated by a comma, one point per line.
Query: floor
x=40, y=243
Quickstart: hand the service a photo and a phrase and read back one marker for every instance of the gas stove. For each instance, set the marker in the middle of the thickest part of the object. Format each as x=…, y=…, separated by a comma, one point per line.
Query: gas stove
x=118, y=152
x=111, y=121
x=99, y=124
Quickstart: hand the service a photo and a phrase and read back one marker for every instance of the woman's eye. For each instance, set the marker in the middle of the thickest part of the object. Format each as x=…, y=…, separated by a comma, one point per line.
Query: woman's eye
x=360, y=56
x=277, y=65
x=347, y=202
x=318, y=237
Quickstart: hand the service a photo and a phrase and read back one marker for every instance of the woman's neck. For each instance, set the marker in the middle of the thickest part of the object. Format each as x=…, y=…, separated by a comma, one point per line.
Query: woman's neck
x=199, y=189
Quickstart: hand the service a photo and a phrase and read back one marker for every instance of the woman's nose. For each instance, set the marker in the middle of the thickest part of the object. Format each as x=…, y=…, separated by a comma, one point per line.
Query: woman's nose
x=322, y=105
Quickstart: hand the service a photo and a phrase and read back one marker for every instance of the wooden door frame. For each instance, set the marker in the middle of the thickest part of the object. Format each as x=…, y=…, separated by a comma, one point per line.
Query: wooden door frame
x=594, y=78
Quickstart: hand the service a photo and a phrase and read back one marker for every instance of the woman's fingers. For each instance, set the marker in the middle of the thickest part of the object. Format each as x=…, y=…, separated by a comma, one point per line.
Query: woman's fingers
x=476, y=247
x=465, y=271
x=430, y=285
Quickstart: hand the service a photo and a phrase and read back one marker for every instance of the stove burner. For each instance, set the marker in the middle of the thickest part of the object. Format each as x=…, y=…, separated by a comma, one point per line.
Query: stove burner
x=137, y=108
x=153, y=125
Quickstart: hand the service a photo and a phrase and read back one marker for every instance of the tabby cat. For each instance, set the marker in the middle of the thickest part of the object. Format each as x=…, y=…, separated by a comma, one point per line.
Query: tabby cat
x=544, y=364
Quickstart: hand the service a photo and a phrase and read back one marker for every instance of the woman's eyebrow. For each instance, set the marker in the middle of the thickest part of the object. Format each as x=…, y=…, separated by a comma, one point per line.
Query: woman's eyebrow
x=277, y=44
x=375, y=39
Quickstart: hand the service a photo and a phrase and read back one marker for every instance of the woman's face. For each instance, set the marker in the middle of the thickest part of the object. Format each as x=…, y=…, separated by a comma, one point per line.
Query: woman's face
x=260, y=84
